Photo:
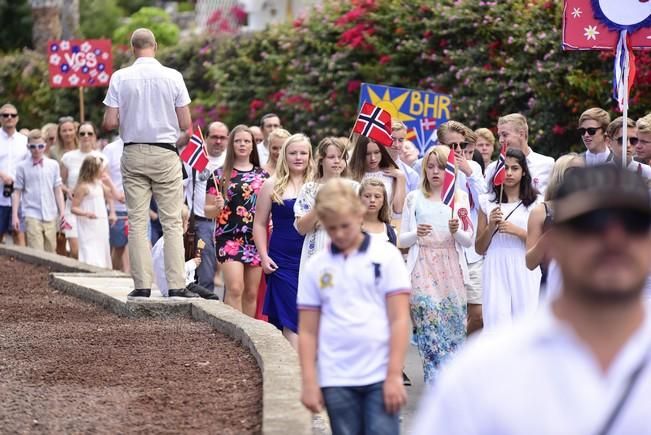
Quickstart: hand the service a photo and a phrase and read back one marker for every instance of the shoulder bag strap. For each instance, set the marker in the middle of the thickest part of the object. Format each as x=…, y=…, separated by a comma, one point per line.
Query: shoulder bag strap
x=507, y=218
x=617, y=409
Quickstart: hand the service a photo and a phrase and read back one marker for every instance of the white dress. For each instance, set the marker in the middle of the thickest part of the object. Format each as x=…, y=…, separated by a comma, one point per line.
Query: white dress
x=314, y=240
x=94, y=233
x=510, y=289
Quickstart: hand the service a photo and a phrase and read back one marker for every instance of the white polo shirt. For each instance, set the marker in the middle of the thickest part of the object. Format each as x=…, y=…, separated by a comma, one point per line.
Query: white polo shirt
x=351, y=294
x=13, y=150
x=113, y=154
x=538, y=377
x=37, y=183
x=146, y=95
x=540, y=168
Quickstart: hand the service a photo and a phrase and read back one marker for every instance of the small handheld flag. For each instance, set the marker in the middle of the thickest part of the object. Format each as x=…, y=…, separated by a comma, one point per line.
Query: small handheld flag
x=447, y=192
x=500, y=170
x=193, y=154
x=374, y=123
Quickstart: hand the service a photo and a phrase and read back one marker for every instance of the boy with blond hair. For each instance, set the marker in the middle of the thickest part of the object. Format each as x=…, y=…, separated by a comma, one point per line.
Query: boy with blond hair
x=592, y=129
x=643, y=147
x=353, y=300
x=38, y=187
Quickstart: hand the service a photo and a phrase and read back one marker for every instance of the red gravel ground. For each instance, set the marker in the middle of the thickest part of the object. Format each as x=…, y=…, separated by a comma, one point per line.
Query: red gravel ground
x=67, y=366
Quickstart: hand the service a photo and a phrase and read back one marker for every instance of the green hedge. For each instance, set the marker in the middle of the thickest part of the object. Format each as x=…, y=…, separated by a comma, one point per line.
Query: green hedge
x=492, y=57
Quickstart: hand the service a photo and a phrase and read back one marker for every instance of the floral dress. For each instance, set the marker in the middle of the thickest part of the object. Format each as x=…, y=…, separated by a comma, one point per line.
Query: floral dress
x=234, y=229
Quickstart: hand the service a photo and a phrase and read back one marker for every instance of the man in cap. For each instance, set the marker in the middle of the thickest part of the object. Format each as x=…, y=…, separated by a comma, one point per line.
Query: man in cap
x=583, y=364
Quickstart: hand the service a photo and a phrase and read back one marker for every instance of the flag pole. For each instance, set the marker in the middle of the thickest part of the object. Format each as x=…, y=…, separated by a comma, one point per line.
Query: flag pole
x=454, y=187
x=625, y=110
x=81, y=104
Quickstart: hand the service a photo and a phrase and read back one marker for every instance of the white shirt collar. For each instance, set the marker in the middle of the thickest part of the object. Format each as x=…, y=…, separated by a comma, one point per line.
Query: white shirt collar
x=145, y=59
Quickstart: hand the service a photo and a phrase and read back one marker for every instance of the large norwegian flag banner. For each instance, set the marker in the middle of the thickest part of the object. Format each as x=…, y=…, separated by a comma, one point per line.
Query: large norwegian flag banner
x=596, y=24
x=78, y=63
x=374, y=123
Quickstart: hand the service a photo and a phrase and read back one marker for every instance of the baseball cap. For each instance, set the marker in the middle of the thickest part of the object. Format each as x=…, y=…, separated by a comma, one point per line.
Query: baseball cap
x=585, y=190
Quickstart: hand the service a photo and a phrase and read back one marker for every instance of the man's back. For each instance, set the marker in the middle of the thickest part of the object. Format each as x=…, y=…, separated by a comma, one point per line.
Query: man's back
x=147, y=95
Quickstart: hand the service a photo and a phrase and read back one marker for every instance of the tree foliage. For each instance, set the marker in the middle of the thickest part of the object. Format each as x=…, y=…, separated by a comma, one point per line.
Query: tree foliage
x=99, y=18
x=15, y=25
x=155, y=19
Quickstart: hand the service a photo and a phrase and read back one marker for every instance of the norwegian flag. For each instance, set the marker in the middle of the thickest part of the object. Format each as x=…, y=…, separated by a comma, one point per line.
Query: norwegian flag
x=447, y=193
x=500, y=170
x=193, y=154
x=428, y=124
x=374, y=123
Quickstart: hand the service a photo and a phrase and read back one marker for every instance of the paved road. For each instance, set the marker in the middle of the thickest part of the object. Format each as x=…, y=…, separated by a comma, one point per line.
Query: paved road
x=414, y=370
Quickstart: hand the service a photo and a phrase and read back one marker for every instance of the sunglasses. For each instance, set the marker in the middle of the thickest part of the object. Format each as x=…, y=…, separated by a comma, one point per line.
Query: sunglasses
x=33, y=146
x=460, y=145
x=10, y=115
x=632, y=140
x=86, y=133
x=633, y=222
x=590, y=130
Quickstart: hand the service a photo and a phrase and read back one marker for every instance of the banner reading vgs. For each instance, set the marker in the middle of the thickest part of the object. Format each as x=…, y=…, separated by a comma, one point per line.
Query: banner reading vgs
x=422, y=112
x=77, y=63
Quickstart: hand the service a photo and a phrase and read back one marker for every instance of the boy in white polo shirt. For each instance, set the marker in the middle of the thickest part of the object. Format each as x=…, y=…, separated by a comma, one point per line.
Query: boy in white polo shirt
x=353, y=301
x=38, y=187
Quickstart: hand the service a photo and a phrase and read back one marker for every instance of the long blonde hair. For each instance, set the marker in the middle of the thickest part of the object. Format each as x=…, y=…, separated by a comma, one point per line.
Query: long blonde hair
x=282, y=168
x=254, y=159
x=558, y=173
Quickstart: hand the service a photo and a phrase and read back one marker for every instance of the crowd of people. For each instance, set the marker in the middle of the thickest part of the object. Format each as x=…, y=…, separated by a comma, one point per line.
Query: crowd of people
x=342, y=244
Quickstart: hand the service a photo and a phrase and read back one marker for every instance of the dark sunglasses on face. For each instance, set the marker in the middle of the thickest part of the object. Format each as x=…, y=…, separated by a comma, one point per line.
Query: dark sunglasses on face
x=633, y=222
x=86, y=133
x=9, y=115
x=33, y=146
x=632, y=140
x=590, y=130
x=459, y=145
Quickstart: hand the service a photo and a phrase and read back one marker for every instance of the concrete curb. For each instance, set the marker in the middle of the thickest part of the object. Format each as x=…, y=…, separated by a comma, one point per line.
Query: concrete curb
x=282, y=412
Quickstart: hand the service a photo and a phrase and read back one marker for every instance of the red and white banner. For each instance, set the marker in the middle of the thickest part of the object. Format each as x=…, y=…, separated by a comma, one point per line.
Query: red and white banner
x=596, y=24
x=77, y=63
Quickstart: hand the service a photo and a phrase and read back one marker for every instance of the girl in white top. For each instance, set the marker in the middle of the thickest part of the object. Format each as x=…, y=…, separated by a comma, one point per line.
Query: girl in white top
x=71, y=163
x=435, y=237
x=89, y=204
x=510, y=288
x=377, y=219
x=371, y=160
x=331, y=158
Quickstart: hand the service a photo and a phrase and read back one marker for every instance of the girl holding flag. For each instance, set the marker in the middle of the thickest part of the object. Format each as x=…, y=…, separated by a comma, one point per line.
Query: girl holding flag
x=435, y=227
x=510, y=288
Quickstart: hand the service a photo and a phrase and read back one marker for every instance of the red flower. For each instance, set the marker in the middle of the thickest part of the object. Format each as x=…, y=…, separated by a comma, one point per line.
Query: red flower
x=350, y=17
x=559, y=130
x=239, y=14
x=353, y=86
x=384, y=59
x=256, y=105
x=298, y=22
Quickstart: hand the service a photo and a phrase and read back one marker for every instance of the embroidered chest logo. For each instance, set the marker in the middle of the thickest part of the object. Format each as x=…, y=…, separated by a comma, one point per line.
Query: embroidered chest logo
x=377, y=272
x=325, y=281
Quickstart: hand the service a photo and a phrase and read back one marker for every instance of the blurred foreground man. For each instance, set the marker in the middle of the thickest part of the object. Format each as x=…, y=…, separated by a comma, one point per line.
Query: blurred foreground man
x=583, y=364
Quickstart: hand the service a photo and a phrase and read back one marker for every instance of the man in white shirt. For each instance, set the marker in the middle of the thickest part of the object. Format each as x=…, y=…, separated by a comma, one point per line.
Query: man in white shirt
x=258, y=137
x=615, y=138
x=118, y=234
x=216, y=142
x=513, y=131
x=13, y=150
x=592, y=129
x=583, y=364
x=268, y=123
x=150, y=105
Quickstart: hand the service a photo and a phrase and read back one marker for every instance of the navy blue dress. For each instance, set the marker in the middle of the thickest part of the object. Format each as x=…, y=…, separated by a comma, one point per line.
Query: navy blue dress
x=285, y=248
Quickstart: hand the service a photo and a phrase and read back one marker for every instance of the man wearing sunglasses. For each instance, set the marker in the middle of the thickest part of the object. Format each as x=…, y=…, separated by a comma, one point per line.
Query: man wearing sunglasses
x=38, y=189
x=592, y=129
x=582, y=365
x=13, y=150
x=614, y=138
